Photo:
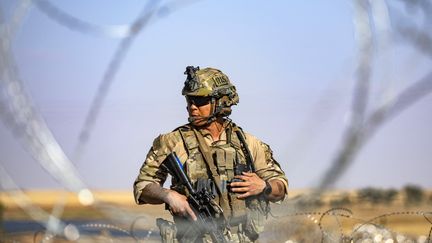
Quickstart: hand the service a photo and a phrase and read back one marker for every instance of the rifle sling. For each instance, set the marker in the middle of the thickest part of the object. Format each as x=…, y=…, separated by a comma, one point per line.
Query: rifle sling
x=245, y=150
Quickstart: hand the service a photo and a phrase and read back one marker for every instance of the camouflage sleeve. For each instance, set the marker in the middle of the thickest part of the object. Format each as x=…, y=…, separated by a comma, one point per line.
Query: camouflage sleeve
x=266, y=166
x=150, y=171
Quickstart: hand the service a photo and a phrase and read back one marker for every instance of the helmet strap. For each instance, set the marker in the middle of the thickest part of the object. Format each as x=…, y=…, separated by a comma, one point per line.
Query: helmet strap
x=214, y=112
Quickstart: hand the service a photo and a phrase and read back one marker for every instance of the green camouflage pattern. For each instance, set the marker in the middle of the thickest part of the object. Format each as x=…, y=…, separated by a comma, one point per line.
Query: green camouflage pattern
x=209, y=82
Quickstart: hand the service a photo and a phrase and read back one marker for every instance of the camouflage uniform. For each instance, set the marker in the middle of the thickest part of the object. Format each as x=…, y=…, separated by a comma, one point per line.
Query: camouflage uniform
x=245, y=218
x=183, y=142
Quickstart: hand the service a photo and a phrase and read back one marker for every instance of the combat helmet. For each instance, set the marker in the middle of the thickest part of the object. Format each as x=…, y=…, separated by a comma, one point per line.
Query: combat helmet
x=211, y=82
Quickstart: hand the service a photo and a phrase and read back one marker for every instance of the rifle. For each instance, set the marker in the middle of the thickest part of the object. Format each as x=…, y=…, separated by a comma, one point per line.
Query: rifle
x=200, y=200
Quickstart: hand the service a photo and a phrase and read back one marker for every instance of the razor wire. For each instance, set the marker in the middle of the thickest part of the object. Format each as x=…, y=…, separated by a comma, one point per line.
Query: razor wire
x=358, y=103
x=55, y=226
x=18, y=111
x=362, y=126
x=361, y=91
x=48, y=236
x=112, y=31
x=20, y=115
x=51, y=223
x=109, y=76
x=345, y=213
x=147, y=14
x=353, y=235
x=73, y=23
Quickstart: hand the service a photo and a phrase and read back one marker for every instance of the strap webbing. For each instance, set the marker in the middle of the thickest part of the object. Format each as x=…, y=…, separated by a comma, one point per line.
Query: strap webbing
x=205, y=150
x=246, y=151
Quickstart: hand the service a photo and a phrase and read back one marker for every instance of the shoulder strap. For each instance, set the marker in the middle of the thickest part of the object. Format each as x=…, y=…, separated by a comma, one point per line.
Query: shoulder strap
x=205, y=150
x=245, y=148
x=184, y=131
x=240, y=134
x=184, y=127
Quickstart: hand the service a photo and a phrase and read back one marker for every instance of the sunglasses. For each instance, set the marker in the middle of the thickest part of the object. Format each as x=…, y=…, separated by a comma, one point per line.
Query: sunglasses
x=198, y=100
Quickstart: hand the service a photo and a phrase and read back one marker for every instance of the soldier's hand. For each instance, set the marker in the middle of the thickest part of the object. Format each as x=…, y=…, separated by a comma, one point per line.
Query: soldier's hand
x=179, y=204
x=251, y=185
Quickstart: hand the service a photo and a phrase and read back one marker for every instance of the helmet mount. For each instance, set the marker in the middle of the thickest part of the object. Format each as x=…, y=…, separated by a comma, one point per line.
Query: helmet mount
x=191, y=82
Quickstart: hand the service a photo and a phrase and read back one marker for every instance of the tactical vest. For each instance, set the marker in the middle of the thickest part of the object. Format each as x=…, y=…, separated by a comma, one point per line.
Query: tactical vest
x=248, y=213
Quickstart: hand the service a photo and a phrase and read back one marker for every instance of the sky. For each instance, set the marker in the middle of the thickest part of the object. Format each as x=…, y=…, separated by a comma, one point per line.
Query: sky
x=293, y=63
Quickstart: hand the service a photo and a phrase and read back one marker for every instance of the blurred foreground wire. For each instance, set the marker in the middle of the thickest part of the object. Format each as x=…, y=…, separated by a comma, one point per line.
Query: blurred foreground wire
x=362, y=125
x=20, y=115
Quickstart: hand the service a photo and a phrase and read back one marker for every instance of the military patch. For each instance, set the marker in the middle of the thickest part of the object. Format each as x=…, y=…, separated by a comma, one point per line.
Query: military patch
x=220, y=81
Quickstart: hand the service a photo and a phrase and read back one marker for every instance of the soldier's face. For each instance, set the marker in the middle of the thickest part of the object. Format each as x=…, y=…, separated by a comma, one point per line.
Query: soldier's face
x=199, y=108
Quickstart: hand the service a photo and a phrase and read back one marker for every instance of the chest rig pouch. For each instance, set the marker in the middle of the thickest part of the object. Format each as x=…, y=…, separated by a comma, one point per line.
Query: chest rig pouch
x=229, y=160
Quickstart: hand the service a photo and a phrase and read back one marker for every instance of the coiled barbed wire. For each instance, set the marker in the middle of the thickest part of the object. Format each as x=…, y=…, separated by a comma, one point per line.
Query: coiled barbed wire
x=76, y=24
x=108, y=78
x=113, y=31
x=361, y=91
x=394, y=214
x=20, y=115
x=344, y=213
x=316, y=217
x=53, y=224
x=425, y=215
x=397, y=108
x=362, y=127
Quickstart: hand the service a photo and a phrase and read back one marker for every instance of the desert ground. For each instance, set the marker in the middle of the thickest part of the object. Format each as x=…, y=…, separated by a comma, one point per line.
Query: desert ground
x=337, y=216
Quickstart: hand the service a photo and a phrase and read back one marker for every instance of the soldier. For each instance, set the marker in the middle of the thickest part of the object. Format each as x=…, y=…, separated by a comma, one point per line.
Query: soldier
x=212, y=147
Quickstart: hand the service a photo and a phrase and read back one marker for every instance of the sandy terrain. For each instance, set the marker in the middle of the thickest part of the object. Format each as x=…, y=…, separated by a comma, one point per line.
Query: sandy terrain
x=293, y=220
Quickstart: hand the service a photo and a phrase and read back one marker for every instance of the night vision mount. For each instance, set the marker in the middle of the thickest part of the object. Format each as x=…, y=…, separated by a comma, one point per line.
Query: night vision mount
x=191, y=82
